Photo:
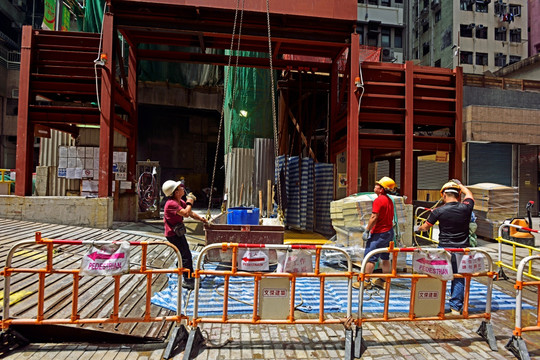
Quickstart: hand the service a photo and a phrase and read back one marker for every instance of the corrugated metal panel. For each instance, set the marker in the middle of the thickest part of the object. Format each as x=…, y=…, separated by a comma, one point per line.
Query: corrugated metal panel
x=264, y=166
x=48, y=156
x=324, y=193
x=239, y=164
x=528, y=178
x=432, y=175
x=489, y=163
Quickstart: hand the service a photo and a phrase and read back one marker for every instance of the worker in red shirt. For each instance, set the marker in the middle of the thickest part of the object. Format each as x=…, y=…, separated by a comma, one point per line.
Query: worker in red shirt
x=379, y=230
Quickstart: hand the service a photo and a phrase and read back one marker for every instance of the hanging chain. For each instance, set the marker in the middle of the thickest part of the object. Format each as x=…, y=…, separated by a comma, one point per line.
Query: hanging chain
x=274, y=120
x=225, y=82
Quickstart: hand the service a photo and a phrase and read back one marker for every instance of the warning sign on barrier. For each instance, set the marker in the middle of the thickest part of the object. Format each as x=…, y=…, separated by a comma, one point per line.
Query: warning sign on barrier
x=435, y=264
x=109, y=260
x=470, y=263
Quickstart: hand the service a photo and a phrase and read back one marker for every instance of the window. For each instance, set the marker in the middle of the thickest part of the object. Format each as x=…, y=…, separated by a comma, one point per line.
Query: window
x=360, y=1
x=514, y=9
x=438, y=63
x=481, y=32
x=466, y=30
x=500, y=8
x=425, y=48
x=514, y=59
x=373, y=2
x=515, y=35
x=481, y=58
x=385, y=37
x=481, y=7
x=398, y=38
x=465, y=5
x=500, y=33
x=425, y=26
x=500, y=59
x=438, y=16
x=426, y=3
x=465, y=57
x=385, y=2
x=398, y=1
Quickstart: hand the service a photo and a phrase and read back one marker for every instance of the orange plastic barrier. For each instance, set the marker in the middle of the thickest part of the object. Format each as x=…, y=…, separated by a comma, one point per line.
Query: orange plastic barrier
x=485, y=329
x=195, y=336
x=75, y=318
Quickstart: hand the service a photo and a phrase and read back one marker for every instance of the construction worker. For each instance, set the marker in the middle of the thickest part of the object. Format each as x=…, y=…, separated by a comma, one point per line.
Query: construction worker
x=454, y=218
x=173, y=217
x=379, y=231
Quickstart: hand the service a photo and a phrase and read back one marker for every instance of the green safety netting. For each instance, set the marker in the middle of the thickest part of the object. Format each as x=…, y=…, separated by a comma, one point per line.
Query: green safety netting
x=247, y=117
x=249, y=114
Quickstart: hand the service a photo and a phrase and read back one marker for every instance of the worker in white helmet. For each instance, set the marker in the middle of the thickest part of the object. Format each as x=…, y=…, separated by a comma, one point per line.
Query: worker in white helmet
x=175, y=211
x=454, y=218
x=379, y=231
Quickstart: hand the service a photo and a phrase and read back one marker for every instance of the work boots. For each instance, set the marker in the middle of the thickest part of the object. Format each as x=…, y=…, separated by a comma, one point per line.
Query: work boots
x=378, y=283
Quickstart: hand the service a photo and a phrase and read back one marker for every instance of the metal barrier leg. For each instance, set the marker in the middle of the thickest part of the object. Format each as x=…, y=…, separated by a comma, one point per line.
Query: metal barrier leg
x=177, y=342
x=486, y=331
x=194, y=344
x=349, y=344
x=11, y=340
x=502, y=275
x=359, y=344
x=517, y=346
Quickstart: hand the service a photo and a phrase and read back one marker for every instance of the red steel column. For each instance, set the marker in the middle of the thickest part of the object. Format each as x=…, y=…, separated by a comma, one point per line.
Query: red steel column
x=455, y=163
x=334, y=106
x=407, y=166
x=106, y=124
x=132, y=91
x=25, y=129
x=352, y=118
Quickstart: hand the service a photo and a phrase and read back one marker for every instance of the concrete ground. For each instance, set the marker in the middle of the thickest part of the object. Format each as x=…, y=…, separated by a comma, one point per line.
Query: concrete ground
x=452, y=339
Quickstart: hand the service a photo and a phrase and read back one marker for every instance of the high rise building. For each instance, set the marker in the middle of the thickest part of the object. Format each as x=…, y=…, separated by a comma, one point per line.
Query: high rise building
x=381, y=23
x=479, y=35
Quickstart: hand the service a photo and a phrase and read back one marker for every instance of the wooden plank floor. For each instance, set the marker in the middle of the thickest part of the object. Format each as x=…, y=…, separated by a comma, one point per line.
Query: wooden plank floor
x=95, y=292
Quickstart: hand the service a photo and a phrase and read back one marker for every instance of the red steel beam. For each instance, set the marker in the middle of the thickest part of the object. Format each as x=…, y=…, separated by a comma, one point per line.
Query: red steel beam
x=25, y=129
x=352, y=118
x=106, y=124
x=407, y=172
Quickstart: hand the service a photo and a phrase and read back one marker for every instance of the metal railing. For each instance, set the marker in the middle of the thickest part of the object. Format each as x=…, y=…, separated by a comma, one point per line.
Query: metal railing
x=515, y=245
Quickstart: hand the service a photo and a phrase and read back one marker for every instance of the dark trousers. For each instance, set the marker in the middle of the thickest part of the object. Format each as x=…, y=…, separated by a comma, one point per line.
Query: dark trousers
x=182, y=245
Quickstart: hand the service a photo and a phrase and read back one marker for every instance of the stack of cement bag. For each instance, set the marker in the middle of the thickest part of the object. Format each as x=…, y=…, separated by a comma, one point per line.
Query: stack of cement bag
x=493, y=203
x=349, y=215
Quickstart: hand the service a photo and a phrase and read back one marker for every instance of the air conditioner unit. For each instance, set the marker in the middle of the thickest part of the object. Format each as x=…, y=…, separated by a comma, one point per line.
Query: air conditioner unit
x=435, y=4
x=15, y=93
x=387, y=54
x=471, y=25
x=499, y=54
x=502, y=29
x=480, y=26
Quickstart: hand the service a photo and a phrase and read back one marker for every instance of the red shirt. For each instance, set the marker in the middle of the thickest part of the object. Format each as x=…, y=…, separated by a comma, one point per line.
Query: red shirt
x=170, y=216
x=383, y=206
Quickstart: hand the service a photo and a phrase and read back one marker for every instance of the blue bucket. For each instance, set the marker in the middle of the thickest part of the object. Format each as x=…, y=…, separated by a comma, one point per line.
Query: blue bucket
x=243, y=216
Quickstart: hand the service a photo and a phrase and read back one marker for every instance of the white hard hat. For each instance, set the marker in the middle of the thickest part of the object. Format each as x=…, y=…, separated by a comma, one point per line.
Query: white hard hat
x=170, y=185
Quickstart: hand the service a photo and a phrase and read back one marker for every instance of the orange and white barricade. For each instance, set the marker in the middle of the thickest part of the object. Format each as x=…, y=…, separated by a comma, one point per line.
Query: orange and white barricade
x=516, y=344
x=268, y=308
x=8, y=339
x=427, y=298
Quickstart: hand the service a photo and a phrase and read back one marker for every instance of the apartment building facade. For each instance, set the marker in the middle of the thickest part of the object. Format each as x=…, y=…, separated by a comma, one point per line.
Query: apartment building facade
x=381, y=23
x=479, y=35
x=534, y=27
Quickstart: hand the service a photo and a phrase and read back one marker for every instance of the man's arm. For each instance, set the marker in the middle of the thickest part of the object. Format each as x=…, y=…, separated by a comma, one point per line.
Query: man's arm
x=466, y=192
x=372, y=221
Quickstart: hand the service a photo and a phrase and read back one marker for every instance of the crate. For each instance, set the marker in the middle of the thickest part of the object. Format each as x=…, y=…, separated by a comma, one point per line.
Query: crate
x=243, y=216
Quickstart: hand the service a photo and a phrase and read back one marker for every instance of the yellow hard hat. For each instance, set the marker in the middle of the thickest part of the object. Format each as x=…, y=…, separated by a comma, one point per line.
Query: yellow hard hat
x=386, y=183
x=451, y=186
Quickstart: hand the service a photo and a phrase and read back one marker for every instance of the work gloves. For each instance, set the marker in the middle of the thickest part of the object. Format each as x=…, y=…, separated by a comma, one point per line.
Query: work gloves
x=191, y=198
x=416, y=228
x=366, y=235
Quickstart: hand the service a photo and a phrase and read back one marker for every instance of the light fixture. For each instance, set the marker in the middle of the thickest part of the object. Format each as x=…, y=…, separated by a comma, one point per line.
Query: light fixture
x=243, y=113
